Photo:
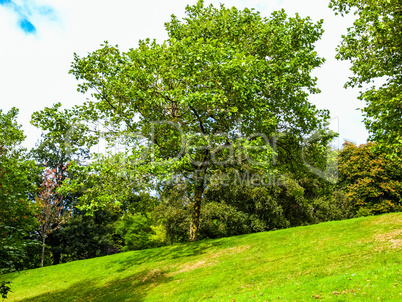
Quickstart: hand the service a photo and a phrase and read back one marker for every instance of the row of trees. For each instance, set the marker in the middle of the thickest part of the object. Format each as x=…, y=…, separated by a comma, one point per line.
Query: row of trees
x=212, y=135
x=47, y=224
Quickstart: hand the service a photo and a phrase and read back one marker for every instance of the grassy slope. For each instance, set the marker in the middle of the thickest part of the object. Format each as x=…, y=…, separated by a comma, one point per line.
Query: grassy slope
x=357, y=259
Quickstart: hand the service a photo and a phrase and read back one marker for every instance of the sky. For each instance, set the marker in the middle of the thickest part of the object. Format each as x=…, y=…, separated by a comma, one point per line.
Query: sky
x=39, y=37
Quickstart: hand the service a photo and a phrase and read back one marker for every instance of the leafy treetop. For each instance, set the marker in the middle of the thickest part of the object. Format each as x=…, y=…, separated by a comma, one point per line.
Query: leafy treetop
x=374, y=47
x=223, y=78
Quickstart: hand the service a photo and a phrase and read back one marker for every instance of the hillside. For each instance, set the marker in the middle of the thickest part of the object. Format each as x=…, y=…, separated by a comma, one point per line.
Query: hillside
x=358, y=259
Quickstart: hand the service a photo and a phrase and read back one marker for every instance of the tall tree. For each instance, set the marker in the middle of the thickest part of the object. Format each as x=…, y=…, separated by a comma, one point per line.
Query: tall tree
x=49, y=210
x=58, y=146
x=211, y=96
x=374, y=47
x=17, y=183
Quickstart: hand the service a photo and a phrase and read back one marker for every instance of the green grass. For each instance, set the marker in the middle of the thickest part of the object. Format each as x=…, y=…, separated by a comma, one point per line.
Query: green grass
x=352, y=260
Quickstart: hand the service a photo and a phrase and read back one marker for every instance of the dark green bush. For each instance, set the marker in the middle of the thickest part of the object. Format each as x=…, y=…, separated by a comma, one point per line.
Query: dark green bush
x=4, y=289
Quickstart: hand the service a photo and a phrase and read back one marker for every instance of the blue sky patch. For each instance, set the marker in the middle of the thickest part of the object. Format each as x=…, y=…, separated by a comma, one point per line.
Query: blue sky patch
x=25, y=11
x=27, y=26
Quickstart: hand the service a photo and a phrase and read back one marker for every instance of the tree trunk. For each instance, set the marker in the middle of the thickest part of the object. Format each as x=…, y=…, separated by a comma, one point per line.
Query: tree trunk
x=195, y=222
x=43, y=250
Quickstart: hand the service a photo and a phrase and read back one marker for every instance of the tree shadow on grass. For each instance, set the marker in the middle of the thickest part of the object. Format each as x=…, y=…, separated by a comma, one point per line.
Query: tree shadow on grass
x=136, y=286
x=185, y=250
x=132, y=288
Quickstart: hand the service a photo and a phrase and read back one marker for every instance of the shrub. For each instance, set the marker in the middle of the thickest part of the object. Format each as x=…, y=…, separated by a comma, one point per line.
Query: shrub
x=138, y=232
x=371, y=180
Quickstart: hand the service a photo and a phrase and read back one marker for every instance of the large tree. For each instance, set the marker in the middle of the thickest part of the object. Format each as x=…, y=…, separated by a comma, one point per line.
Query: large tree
x=17, y=184
x=374, y=47
x=214, y=95
x=50, y=212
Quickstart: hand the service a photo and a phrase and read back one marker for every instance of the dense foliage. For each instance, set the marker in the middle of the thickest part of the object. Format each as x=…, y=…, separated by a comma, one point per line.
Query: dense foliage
x=371, y=180
x=84, y=236
x=4, y=288
x=374, y=47
x=223, y=85
x=17, y=183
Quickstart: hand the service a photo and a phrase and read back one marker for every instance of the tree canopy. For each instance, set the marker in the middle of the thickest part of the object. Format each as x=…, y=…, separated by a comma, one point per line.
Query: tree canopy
x=17, y=183
x=371, y=181
x=223, y=85
x=374, y=47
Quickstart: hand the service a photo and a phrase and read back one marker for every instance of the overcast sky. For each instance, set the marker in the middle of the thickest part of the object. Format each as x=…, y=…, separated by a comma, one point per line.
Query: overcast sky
x=38, y=39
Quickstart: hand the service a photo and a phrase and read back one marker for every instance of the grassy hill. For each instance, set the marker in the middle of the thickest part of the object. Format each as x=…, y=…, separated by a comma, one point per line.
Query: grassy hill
x=351, y=260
